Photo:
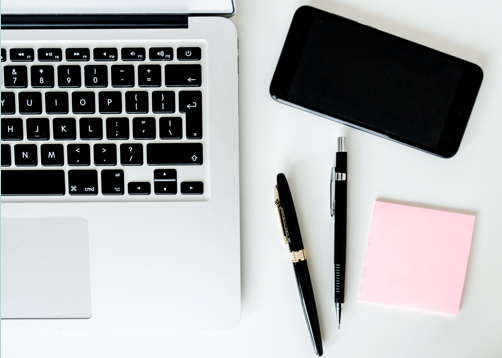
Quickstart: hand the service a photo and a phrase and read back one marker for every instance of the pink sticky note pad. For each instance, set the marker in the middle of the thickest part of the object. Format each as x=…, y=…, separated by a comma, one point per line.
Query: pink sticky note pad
x=416, y=257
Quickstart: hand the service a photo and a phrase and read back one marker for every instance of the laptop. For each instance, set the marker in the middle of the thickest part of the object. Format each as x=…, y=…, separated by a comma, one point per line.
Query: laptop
x=120, y=165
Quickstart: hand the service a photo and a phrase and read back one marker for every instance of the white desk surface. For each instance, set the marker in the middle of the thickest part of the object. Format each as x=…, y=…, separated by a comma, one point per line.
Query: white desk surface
x=276, y=138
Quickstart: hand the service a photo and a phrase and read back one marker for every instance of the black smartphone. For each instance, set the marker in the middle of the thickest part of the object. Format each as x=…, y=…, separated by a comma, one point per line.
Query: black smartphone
x=376, y=82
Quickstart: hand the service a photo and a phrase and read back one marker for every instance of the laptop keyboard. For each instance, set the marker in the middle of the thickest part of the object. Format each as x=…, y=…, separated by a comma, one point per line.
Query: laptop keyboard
x=114, y=122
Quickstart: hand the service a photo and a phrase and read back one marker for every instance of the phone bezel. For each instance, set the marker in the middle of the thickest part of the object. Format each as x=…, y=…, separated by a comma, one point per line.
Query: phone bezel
x=455, y=123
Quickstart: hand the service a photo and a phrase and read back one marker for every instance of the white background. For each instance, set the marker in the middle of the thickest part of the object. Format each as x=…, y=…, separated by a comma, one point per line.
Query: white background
x=276, y=138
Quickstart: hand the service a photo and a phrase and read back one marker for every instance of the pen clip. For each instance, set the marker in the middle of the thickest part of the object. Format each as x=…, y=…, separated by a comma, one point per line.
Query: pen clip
x=281, y=216
x=332, y=191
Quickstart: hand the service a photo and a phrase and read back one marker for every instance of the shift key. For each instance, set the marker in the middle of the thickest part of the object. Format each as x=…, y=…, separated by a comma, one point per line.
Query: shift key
x=174, y=154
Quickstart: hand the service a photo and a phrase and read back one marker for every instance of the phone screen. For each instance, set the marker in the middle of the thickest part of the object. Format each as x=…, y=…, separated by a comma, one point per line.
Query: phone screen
x=372, y=79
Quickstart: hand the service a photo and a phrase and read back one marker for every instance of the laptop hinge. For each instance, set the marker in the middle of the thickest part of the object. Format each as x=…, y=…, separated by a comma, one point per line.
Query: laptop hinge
x=92, y=21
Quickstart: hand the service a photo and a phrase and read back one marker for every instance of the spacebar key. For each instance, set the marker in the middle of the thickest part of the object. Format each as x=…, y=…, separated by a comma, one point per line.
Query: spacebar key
x=174, y=153
x=33, y=182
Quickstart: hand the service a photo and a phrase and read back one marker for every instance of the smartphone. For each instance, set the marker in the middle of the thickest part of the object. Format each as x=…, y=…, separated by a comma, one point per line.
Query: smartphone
x=377, y=82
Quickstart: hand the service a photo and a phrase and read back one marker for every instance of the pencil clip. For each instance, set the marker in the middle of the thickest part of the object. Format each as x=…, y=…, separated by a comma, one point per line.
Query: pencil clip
x=281, y=216
x=332, y=191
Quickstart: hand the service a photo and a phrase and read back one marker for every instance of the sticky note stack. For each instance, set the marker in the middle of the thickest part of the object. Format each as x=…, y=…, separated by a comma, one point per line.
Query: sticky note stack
x=416, y=257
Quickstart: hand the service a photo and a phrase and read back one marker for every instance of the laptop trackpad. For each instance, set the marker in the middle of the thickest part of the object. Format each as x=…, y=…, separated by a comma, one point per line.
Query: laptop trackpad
x=45, y=268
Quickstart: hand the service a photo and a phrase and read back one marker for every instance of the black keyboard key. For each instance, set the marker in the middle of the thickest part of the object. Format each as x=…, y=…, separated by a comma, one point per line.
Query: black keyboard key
x=149, y=76
x=105, y=154
x=183, y=75
x=56, y=102
x=112, y=182
x=105, y=54
x=117, y=128
x=192, y=188
x=170, y=128
x=42, y=76
x=15, y=76
x=33, y=182
x=164, y=175
x=4, y=55
x=123, y=76
x=37, y=129
x=110, y=102
x=25, y=155
x=96, y=76
x=139, y=188
x=91, y=128
x=165, y=188
x=22, y=55
x=79, y=154
x=69, y=77
x=163, y=102
x=136, y=102
x=12, y=129
x=8, y=103
x=83, y=182
x=6, y=157
x=143, y=128
x=131, y=154
x=30, y=103
x=174, y=154
x=161, y=54
x=64, y=128
x=52, y=154
x=189, y=53
x=191, y=104
x=77, y=54
x=50, y=54
x=164, y=181
x=133, y=54
x=83, y=102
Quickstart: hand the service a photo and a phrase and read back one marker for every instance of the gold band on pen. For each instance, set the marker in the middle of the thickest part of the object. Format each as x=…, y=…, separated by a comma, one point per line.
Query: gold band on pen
x=282, y=218
x=298, y=255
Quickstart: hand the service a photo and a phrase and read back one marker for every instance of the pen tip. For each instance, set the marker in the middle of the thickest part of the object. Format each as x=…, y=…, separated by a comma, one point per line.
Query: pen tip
x=338, y=326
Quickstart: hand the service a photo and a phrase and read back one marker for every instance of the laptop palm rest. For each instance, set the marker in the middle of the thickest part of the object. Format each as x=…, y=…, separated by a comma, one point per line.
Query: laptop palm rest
x=45, y=268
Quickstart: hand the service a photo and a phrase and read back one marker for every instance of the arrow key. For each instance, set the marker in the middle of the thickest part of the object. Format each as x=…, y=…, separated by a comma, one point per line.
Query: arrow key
x=192, y=188
x=139, y=188
x=164, y=181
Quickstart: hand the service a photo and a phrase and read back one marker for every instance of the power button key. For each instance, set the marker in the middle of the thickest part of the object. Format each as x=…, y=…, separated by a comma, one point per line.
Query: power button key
x=189, y=53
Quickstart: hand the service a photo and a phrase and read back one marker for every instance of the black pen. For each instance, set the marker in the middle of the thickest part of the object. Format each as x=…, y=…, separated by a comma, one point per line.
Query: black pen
x=339, y=211
x=292, y=236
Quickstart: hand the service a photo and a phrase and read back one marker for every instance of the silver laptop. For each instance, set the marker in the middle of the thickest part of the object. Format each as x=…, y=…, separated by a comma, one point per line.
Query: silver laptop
x=120, y=166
